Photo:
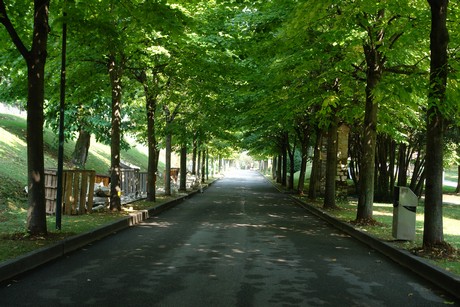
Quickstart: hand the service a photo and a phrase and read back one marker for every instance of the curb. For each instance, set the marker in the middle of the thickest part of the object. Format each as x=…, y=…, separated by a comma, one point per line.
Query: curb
x=438, y=276
x=14, y=267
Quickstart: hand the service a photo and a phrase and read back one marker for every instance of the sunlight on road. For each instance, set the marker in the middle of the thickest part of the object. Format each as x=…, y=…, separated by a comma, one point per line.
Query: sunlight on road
x=239, y=173
x=235, y=173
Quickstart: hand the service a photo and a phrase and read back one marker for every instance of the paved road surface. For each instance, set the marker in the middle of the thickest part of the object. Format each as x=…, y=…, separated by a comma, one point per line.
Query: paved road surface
x=241, y=243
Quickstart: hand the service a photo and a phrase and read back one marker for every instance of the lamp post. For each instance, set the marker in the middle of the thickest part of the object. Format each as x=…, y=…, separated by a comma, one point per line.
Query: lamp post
x=61, y=123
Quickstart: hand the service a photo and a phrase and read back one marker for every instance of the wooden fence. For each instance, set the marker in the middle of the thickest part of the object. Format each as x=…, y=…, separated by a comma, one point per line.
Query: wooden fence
x=143, y=182
x=129, y=181
x=77, y=191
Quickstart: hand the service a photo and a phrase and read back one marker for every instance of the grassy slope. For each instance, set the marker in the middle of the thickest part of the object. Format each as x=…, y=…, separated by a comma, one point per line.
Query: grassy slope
x=13, y=175
x=13, y=158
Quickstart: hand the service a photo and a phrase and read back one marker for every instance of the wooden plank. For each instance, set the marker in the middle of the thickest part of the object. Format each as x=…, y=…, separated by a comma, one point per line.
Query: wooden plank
x=92, y=176
x=50, y=191
x=143, y=182
x=68, y=197
x=83, y=187
x=75, y=192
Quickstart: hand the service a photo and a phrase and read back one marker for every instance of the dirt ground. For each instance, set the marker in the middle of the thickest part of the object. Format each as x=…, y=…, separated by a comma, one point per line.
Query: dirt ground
x=451, y=226
x=451, y=199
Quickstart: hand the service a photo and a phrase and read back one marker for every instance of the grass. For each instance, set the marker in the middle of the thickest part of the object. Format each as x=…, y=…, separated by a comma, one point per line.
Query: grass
x=13, y=151
x=13, y=155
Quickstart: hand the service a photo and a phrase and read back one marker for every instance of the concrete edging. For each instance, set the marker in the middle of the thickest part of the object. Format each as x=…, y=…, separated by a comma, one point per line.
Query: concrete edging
x=14, y=267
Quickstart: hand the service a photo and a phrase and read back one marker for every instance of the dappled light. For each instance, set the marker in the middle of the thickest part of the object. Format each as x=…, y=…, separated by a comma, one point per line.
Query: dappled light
x=239, y=106
x=154, y=223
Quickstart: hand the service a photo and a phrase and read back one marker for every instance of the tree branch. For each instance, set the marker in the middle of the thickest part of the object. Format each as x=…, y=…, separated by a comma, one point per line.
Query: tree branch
x=4, y=19
x=405, y=70
x=356, y=71
x=176, y=111
x=394, y=38
x=408, y=69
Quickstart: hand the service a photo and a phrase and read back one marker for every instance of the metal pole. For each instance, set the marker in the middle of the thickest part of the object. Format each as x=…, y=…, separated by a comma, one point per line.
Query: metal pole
x=61, y=123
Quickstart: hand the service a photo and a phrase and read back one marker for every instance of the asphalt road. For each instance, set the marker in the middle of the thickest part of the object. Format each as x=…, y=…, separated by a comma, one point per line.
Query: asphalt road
x=241, y=243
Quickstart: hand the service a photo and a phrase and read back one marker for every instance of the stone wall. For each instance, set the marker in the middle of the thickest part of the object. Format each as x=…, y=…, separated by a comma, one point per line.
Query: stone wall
x=342, y=162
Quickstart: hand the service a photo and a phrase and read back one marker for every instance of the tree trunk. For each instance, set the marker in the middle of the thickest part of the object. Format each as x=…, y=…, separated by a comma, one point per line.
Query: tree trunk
x=375, y=62
x=402, y=166
x=304, y=137
x=313, y=188
x=383, y=162
x=418, y=189
x=183, y=169
x=367, y=168
x=291, y=171
x=291, y=155
x=80, y=153
x=198, y=164
x=115, y=73
x=203, y=166
x=152, y=167
x=284, y=170
x=207, y=164
x=419, y=169
x=303, y=169
x=274, y=164
x=433, y=226
x=194, y=157
x=167, y=180
x=392, y=167
x=279, y=170
x=150, y=87
x=331, y=167
x=36, y=60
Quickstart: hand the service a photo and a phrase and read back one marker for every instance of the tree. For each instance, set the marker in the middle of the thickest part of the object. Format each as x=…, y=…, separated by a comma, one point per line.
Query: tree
x=331, y=167
x=35, y=60
x=169, y=121
x=80, y=153
x=151, y=81
x=375, y=62
x=439, y=37
x=115, y=66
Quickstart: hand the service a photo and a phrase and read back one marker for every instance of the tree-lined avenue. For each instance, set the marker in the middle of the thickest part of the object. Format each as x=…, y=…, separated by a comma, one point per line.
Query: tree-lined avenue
x=240, y=243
